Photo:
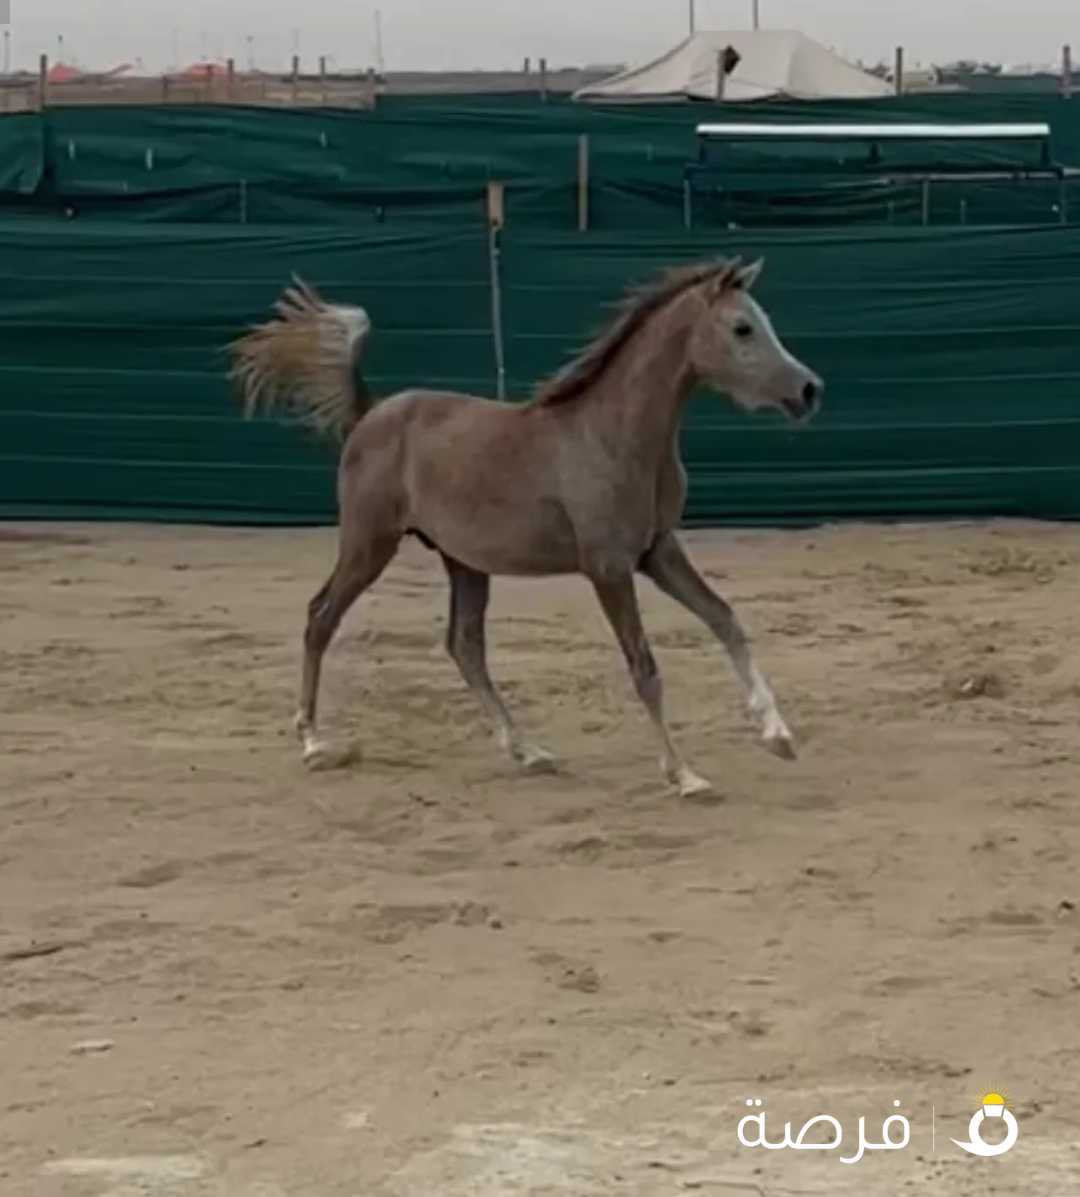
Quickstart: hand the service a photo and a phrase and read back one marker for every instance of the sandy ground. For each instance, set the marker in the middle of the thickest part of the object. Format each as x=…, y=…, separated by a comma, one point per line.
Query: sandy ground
x=427, y=977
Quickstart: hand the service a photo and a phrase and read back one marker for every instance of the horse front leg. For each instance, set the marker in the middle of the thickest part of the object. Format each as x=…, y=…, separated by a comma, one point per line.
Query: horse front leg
x=619, y=601
x=669, y=567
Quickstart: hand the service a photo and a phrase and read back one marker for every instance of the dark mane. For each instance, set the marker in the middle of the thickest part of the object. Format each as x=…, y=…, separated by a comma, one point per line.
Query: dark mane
x=578, y=375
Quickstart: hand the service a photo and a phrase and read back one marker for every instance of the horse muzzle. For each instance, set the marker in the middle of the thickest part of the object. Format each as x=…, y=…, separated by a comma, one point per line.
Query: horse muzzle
x=802, y=408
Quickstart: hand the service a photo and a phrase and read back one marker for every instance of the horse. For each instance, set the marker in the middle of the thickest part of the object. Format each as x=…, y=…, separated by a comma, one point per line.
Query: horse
x=583, y=477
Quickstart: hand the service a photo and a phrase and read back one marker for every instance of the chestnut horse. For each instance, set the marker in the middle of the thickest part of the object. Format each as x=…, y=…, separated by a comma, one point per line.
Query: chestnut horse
x=585, y=477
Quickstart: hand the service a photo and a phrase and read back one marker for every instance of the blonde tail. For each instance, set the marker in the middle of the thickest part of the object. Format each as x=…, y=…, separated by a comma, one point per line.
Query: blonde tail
x=305, y=361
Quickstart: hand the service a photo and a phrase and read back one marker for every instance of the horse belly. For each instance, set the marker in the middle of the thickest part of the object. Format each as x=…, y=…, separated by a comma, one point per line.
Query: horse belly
x=510, y=538
x=486, y=492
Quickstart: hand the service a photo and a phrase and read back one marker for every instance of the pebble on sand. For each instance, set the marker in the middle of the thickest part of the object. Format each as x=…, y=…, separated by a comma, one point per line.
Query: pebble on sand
x=90, y=1047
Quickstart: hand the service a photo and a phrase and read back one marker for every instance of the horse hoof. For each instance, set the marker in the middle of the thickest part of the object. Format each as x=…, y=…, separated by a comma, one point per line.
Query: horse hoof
x=781, y=745
x=692, y=786
x=536, y=760
x=320, y=757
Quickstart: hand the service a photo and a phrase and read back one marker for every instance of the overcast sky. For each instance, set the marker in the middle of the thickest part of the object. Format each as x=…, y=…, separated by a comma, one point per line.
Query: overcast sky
x=500, y=33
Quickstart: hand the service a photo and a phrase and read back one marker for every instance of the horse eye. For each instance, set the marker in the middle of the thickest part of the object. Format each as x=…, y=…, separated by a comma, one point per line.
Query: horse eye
x=744, y=331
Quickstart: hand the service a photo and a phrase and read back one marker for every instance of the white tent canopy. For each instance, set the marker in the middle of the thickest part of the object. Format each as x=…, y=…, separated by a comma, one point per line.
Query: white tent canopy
x=772, y=63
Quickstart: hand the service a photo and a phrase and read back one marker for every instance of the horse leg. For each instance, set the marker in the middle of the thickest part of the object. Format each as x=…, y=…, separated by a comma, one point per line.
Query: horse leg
x=669, y=567
x=355, y=571
x=465, y=642
x=617, y=597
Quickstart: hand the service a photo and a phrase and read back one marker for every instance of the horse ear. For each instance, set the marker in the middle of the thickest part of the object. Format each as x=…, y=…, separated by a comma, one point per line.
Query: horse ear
x=748, y=275
x=724, y=280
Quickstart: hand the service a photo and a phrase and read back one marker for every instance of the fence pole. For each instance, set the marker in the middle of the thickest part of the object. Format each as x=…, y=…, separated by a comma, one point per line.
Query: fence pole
x=43, y=81
x=373, y=88
x=322, y=77
x=583, y=183
x=543, y=79
x=496, y=206
x=898, y=71
x=296, y=78
x=1066, y=72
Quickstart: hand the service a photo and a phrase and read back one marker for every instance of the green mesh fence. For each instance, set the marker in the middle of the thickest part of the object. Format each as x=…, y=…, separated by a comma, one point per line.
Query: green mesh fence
x=421, y=159
x=950, y=355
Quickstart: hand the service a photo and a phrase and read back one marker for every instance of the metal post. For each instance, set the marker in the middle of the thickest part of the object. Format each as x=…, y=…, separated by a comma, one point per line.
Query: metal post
x=583, y=183
x=373, y=87
x=322, y=76
x=230, y=79
x=543, y=79
x=1066, y=72
x=496, y=220
x=898, y=71
x=296, y=78
x=496, y=205
x=380, y=58
x=693, y=18
x=43, y=81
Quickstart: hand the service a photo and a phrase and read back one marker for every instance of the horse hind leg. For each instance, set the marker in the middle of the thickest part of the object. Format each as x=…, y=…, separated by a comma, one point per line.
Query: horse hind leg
x=466, y=644
x=354, y=573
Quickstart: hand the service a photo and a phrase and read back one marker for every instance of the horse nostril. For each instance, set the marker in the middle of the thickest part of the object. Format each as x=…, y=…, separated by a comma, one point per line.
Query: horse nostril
x=809, y=394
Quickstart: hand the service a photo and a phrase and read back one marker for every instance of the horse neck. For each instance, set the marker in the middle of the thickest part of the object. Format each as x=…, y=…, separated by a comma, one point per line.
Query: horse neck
x=641, y=397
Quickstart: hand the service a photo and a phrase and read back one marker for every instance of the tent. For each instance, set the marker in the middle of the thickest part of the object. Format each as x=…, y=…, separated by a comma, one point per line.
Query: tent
x=60, y=72
x=771, y=63
x=205, y=70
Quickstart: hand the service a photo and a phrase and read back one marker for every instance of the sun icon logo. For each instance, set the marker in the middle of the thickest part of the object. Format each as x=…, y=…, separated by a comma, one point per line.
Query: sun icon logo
x=992, y=1105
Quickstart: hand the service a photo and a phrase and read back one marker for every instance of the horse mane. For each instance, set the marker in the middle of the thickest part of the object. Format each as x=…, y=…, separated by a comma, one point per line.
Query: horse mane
x=637, y=306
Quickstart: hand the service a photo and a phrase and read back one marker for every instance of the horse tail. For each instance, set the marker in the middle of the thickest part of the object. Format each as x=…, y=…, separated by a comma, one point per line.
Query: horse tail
x=305, y=361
